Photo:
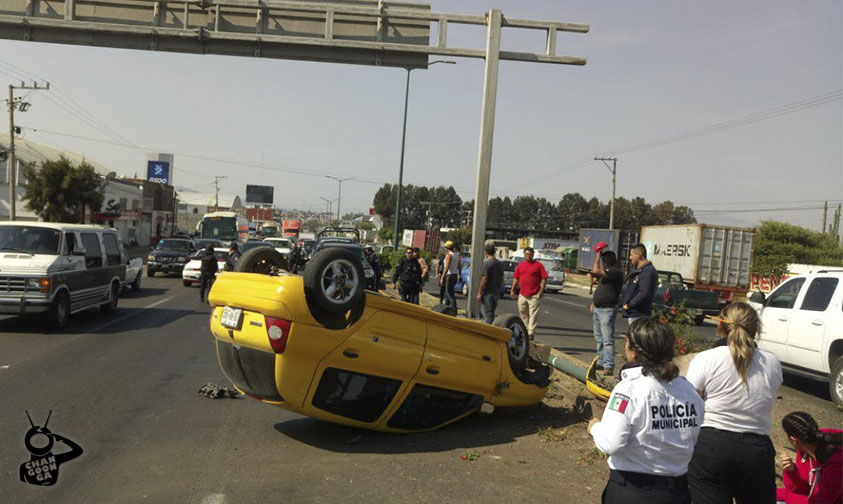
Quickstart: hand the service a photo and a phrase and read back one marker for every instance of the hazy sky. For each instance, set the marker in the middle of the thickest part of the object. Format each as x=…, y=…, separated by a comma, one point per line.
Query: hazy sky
x=655, y=69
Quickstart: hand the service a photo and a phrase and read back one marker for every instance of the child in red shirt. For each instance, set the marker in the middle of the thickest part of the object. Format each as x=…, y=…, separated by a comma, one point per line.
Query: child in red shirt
x=816, y=476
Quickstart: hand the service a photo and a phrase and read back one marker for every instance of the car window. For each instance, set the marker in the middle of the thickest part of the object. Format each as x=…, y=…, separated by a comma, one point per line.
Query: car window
x=427, y=407
x=174, y=245
x=785, y=296
x=509, y=265
x=819, y=294
x=93, y=254
x=70, y=242
x=353, y=395
x=112, y=250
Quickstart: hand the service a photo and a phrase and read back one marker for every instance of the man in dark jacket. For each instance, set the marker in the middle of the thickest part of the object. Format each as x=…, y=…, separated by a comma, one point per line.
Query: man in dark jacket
x=233, y=256
x=410, y=273
x=641, y=286
x=373, y=262
x=208, y=270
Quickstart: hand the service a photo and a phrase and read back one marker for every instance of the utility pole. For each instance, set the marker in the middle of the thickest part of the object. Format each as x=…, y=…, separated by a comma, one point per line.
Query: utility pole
x=825, y=214
x=217, y=179
x=614, y=170
x=23, y=106
x=339, y=194
x=328, y=208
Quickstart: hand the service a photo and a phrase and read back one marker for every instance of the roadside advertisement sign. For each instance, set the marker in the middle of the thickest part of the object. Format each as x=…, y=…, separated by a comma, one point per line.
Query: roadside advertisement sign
x=261, y=195
x=158, y=171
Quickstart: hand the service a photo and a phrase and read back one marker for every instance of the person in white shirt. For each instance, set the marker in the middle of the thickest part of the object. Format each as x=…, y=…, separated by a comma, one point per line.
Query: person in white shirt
x=734, y=457
x=650, y=424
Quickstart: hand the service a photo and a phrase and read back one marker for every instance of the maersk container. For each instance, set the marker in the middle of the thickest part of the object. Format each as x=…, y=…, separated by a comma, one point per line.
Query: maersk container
x=618, y=242
x=711, y=257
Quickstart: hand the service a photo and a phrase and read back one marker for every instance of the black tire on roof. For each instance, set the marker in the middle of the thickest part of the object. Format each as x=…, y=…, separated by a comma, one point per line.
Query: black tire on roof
x=265, y=260
x=334, y=282
x=518, y=347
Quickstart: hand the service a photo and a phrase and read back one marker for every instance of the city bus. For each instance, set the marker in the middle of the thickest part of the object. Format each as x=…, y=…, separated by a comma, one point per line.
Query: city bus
x=224, y=226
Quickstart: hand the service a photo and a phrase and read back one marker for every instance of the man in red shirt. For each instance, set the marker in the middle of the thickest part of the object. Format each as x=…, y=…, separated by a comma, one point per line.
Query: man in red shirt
x=532, y=277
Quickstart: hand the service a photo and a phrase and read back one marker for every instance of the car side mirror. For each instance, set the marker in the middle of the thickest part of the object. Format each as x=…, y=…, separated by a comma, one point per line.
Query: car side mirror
x=79, y=252
x=758, y=297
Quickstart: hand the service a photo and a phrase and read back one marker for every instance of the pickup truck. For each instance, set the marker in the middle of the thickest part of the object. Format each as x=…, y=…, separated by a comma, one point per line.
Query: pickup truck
x=673, y=295
x=802, y=323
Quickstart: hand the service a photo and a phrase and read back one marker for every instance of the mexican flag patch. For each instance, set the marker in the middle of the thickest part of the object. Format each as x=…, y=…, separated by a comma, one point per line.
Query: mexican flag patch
x=618, y=402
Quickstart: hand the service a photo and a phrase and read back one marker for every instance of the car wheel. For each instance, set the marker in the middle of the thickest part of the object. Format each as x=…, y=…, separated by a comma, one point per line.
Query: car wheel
x=518, y=347
x=464, y=289
x=113, y=296
x=136, y=284
x=150, y=272
x=59, y=311
x=186, y=283
x=263, y=260
x=835, y=382
x=334, y=281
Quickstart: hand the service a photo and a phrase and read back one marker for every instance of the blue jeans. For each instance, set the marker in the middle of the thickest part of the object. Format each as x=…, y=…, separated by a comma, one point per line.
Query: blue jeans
x=604, y=336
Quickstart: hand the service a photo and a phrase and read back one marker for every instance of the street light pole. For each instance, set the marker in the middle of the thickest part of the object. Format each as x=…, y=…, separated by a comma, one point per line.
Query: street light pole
x=403, y=141
x=328, y=207
x=614, y=170
x=339, y=194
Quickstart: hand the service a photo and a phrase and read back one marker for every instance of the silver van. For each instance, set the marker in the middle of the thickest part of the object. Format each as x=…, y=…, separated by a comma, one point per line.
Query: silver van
x=59, y=269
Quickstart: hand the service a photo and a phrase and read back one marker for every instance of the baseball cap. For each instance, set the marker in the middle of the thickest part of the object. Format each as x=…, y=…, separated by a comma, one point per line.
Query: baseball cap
x=449, y=244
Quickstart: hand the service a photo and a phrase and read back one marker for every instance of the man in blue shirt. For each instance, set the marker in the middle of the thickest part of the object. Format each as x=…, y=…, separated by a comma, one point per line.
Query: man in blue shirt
x=641, y=286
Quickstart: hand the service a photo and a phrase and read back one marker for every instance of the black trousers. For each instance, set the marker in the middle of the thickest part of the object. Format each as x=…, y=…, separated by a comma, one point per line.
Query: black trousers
x=410, y=292
x=626, y=487
x=205, y=282
x=450, y=285
x=732, y=465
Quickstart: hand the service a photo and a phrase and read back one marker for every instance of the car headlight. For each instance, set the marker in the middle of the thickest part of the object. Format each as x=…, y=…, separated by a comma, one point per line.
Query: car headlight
x=150, y=258
x=33, y=283
x=182, y=259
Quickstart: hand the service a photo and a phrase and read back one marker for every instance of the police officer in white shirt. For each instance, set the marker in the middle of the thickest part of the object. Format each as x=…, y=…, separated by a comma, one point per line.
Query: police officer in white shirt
x=734, y=457
x=650, y=424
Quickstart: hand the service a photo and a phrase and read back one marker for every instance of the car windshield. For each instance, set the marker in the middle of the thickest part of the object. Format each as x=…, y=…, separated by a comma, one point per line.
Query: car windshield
x=29, y=239
x=307, y=245
x=553, y=264
x=222, y=255
x=201, y=244
x=269, y=231
x=279, y=243
x=174, y=245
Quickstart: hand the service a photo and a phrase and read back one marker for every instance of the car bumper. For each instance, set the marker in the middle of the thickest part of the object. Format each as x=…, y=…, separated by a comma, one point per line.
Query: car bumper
x=168, y=267
x=192, y=276
x=251, y=371
x=22, y=305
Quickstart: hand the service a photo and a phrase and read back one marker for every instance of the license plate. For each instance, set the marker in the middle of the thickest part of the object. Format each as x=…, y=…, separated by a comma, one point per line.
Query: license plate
x=231, y=317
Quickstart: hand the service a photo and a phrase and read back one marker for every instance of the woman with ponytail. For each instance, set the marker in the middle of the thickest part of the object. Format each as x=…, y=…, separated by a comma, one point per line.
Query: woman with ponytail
x=816, y=477
x=734, y=457
x=650, y=424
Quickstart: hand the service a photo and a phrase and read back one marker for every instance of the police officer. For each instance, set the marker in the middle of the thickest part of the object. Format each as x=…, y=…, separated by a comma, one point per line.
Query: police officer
x=650, y=424
x=376, y=267
x=233, y=256
x=409, y=272
x=207, y=271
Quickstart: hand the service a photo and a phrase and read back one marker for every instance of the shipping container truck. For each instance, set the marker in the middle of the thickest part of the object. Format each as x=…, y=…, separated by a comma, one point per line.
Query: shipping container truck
x=546, y=244
x=618, y=242
x=716, y=258
x=291, y=228
x=423, y=239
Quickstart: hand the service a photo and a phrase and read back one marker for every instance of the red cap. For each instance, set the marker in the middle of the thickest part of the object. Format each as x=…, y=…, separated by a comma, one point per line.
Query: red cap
x=600, y=246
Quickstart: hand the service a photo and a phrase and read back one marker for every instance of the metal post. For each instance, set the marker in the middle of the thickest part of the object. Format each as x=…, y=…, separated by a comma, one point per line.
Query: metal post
x=339, y=194
x=401, y=165
x=484, y=159
x=11, y=160
x=614, y=170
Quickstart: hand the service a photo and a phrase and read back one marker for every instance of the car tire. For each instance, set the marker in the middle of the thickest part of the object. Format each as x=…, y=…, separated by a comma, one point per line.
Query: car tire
x=186, y=283
x=59, y=311
x=263, y=260
x=113, y=296
x=334, y=281
x=445, y=309
x=137, y=282
x=835, y=382
x=150, y=272
x=518, y=347
x=464, y=289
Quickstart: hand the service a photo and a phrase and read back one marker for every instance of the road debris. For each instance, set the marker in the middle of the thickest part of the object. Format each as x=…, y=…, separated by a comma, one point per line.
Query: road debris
x=214, y=391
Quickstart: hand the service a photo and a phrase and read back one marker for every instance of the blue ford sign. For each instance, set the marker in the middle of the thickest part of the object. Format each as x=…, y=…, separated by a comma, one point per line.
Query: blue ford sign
x=158, y=171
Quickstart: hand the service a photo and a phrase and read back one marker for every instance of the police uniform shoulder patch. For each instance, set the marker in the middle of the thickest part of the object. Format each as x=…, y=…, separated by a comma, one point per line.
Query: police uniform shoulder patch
x=618, y=403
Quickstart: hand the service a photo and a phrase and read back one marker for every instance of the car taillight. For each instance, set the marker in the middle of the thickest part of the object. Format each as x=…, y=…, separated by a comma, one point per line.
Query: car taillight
x=277, y=330
x=667, y=296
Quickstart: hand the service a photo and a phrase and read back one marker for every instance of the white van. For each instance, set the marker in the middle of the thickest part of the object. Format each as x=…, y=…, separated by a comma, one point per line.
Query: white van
x=552, y=262
x=59, y=269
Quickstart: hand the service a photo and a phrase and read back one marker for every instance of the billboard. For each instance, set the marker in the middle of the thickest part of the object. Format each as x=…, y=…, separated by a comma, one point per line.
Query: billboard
x=259, y=194
x=158, y=171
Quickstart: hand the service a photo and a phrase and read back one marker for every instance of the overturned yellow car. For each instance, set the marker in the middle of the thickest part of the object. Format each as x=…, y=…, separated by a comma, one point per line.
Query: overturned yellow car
x=320, y=345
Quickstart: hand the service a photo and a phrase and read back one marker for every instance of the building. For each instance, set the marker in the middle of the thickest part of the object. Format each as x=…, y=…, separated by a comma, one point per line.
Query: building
x=122, y=209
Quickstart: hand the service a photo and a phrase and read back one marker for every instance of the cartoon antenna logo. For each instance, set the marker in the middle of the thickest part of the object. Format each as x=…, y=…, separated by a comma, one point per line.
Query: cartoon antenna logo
x=42, y=469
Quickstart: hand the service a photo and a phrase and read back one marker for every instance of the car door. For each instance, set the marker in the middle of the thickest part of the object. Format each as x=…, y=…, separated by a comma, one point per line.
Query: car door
x=363, y=376
x=776, y=315
x=93, y=286
x=808, y=324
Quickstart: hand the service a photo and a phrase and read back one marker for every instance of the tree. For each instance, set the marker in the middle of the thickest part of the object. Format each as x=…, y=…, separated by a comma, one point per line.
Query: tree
x=778, y=244
x=59, y=191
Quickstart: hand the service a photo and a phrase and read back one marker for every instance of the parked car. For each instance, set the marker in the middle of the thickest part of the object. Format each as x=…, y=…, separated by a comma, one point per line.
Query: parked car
x=463, y=285
x=193, y=268
x=508, y=274
x=322, y=346
x=802, y=323
x=55, y=270
x=169, y=256
x=673, y=297
x=134, y=272
x=553, y=264
x=283, y=245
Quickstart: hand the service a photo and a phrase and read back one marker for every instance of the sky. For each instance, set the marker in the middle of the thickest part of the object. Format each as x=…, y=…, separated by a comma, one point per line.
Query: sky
x=656, y=69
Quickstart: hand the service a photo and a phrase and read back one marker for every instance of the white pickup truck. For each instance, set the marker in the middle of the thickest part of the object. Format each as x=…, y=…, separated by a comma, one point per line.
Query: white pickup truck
x=802, y=323
x=134, y=270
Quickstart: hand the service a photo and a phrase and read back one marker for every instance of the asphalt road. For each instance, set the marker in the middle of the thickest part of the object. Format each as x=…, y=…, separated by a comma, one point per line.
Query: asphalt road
x=124, y=388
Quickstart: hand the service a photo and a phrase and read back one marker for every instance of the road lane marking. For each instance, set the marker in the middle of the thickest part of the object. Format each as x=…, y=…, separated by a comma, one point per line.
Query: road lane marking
x=566, y=302
x=214, y=499
x=130, y=315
